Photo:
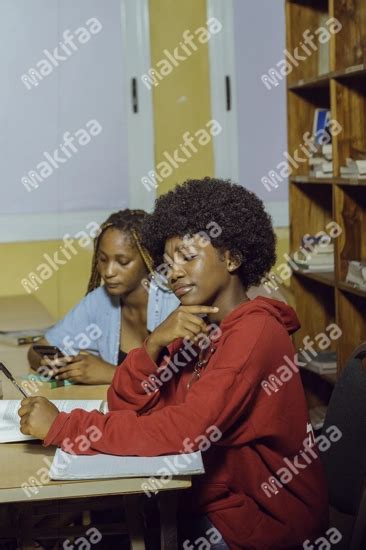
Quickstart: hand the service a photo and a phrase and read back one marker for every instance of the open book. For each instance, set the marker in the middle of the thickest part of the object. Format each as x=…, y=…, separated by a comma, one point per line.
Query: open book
x=67, y=466
x=10, y=421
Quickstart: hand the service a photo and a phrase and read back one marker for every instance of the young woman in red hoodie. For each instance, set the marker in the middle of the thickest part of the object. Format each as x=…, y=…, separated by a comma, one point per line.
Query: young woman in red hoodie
x=204, y=371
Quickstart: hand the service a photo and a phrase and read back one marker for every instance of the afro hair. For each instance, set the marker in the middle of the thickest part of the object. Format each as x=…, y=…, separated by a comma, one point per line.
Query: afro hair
x=246, y=228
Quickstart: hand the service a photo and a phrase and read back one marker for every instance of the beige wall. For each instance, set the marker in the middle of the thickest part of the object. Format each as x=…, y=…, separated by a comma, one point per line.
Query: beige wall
x=58, y=294
x=182, y=99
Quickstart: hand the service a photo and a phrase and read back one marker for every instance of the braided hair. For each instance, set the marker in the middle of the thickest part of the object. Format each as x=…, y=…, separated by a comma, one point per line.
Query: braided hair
x=129, y=221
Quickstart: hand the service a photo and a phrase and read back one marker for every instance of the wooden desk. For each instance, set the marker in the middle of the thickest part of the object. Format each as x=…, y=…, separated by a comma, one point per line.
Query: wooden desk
x=19, y=462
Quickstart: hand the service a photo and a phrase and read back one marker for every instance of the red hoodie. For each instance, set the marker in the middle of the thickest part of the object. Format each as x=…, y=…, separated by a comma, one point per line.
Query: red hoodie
x=263, y=431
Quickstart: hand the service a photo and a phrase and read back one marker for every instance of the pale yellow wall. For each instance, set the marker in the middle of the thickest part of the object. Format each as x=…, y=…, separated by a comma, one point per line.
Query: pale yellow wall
x=182, y=99
x=61, y=291
x=181, y=103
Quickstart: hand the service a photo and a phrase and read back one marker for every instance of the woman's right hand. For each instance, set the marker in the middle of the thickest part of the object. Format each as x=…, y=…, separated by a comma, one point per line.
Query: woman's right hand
x=184, y=322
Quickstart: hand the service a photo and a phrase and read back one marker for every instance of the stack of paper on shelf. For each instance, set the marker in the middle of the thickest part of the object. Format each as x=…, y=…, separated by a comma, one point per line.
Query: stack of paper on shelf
x=321, y=164
x=324, y=363
x=319, y=259
x=354, y=169
x=357, y=274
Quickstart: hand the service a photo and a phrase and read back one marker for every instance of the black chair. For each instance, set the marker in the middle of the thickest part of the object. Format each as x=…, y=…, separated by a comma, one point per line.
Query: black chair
x=345, y=460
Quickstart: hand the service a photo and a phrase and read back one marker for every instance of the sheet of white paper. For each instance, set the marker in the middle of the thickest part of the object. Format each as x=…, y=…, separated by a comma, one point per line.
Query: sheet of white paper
x=9, y=419
x=66, y=466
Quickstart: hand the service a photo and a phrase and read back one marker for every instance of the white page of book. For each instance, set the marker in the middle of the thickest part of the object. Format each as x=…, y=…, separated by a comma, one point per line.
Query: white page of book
x=9, y=419
x=67, y=466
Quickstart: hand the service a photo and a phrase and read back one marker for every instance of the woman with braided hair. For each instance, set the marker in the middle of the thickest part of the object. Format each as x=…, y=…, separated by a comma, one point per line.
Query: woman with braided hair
x=114, y=318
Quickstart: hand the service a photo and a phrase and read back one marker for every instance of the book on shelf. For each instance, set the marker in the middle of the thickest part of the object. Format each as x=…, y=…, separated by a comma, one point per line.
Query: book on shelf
x=327, y=167
x=320, y=174
x=316, y=268
x=321, y=163
x=103, y=466
x=321, y=122
x=356, y=274
x=327, y=151
x=324, y=49
x=322, y=250
x=324, y=363
x=317, y=161
x=10, y=421
x=317, y=416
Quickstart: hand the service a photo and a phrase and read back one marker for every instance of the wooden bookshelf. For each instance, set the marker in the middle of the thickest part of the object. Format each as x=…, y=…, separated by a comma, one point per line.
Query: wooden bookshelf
x=333, y=79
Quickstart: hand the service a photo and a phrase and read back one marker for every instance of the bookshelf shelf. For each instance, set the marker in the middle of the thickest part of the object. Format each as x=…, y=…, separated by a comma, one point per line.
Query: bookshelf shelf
x=354, y=182
x=333, y=78
x=316, y=82
x=315, y=181
x=324, y=278
x=322, y=81
x=352, y=290
x=331, y=378
x=329, y=181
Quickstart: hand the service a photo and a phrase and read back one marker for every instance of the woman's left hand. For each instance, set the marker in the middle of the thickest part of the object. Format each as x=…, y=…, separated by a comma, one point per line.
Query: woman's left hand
x=87, y=369
x=37, y=415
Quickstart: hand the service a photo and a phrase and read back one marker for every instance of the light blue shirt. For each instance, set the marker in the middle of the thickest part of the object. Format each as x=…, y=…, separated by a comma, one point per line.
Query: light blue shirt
x=94, y=324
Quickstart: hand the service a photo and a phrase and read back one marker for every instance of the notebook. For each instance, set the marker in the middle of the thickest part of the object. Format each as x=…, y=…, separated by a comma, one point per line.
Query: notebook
x=9, y=419
x=101, y=466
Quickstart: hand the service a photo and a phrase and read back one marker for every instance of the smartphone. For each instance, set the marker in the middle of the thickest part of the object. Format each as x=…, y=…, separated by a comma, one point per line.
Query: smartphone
x=53, y=352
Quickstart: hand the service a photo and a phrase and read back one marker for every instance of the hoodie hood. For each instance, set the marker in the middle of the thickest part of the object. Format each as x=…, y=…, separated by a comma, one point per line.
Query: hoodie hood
x=282, y=312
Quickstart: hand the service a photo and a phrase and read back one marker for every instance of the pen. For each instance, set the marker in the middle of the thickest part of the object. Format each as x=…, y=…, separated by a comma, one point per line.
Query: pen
x=12, y=379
